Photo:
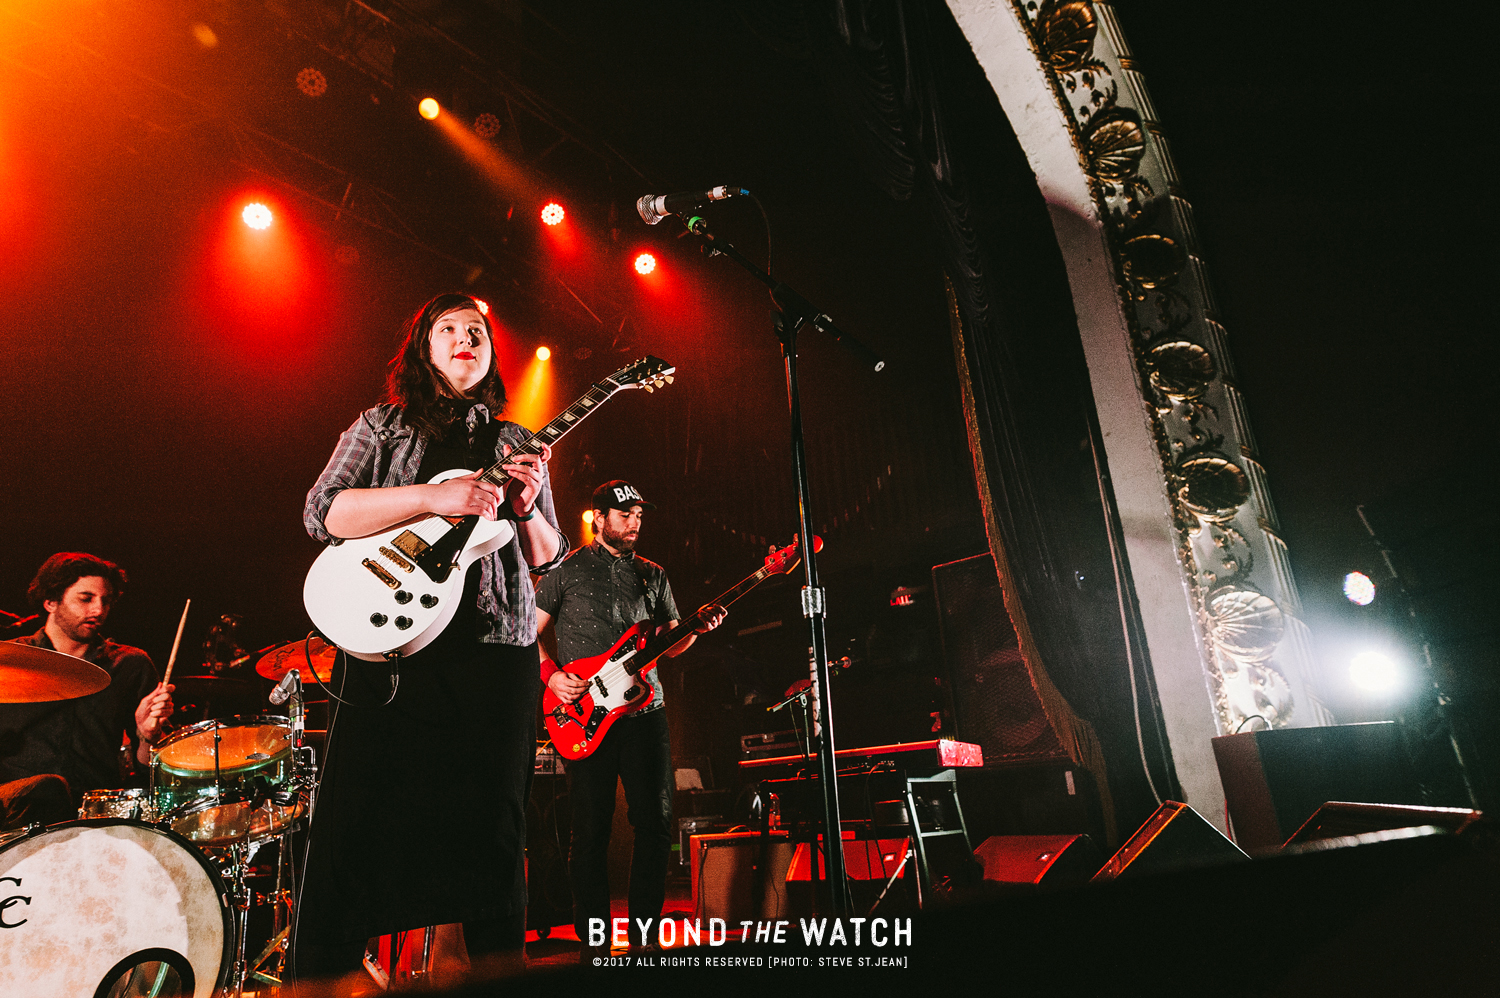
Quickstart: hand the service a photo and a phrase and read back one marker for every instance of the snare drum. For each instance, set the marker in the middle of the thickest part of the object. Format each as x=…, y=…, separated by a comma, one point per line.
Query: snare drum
x=85, y=905
x=250, y=755
x=129, y=803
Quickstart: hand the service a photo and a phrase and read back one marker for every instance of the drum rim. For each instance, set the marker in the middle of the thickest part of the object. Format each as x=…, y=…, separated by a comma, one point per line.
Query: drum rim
x=233, y=721
x=226, y=911
x=190, y=807
x=236, y=721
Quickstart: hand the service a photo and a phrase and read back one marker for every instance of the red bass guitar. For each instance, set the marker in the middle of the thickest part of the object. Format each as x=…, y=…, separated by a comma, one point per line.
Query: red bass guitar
x=617, y=683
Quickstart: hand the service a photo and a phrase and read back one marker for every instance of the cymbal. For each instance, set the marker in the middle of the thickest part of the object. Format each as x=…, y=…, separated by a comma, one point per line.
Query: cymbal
x=37, y=675
x=279, y=661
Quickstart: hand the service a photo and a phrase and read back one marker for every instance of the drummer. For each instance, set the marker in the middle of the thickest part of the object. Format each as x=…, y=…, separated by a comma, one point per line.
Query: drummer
x=51, y=754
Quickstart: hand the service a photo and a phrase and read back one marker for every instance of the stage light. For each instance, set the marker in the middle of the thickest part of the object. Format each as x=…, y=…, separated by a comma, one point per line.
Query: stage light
x=486, y=126
x=484, y=306
x=588, y=516
x=542, y=353
x=1359, y=588
x=1374, y=672
x=645, y=264
x=256, y=215
x=312, y=82
x=428, y=108
x=553, y=213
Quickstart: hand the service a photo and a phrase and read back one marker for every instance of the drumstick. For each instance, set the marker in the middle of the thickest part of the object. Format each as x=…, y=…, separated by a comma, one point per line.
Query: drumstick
x=172, y=658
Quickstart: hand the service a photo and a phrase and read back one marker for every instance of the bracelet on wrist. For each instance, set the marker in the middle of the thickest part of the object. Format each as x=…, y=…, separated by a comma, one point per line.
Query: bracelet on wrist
x=529, y=514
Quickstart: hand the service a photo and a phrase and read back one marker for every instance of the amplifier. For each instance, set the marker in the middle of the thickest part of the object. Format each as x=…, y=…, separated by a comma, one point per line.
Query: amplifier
x=549, y=762
x=723, y=872
x=771, y=743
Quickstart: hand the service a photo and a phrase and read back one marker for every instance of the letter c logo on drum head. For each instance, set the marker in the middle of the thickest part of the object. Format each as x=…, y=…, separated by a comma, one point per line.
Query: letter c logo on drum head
x=13, y=899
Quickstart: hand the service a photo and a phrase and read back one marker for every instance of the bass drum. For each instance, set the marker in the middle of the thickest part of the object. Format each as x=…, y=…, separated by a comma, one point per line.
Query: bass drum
x=109, y=907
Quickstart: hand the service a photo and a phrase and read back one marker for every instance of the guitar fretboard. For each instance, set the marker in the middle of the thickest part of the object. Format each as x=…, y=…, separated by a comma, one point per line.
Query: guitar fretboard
x=553, y=431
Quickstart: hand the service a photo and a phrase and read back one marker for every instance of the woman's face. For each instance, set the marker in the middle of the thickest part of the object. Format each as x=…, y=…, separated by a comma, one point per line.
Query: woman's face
x=460, y=347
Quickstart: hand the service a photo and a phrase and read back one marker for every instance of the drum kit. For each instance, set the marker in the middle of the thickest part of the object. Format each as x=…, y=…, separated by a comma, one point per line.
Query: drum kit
x=147, y=893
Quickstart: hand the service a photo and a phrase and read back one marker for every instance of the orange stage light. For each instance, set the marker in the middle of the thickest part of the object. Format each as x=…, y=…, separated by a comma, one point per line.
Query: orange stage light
x=542, y=353
x=588, y=516
x=553, y=213
x=484, y=306
x=645, y=263
x=428, y=108
x=256, y=215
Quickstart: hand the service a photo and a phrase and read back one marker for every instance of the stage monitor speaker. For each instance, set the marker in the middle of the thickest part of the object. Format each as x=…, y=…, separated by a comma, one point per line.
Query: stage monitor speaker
x=1341, y=819
x=1175, y=837
x=994, y=702
x=1045, y=860
x=723, y=872
x=1274, y=779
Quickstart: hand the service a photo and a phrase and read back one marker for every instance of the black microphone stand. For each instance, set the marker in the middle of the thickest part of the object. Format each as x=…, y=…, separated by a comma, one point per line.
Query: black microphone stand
x=794, y=312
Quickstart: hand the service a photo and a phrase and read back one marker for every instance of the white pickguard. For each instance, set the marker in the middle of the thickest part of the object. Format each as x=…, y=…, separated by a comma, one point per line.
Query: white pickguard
x=345, y=598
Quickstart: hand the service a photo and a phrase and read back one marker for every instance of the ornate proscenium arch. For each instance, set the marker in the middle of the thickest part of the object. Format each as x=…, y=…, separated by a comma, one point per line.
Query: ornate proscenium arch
x=1217, y=600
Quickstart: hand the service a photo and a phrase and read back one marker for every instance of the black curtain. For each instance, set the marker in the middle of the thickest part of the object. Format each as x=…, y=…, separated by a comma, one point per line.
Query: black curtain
x=927, y=126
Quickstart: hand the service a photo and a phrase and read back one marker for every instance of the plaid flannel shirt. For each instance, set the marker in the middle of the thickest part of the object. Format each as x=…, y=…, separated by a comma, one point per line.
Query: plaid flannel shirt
x=378, y=451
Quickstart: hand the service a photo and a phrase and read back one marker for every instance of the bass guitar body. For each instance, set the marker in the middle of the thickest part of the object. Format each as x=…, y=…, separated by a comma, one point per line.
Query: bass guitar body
x=392, y=593
x=614, y=691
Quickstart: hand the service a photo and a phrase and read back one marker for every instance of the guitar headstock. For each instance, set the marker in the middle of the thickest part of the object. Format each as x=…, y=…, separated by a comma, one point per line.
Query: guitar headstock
x=649, y=373
x=790, y=556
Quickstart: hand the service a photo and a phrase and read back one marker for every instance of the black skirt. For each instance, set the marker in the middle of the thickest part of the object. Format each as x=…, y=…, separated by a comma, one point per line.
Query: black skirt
x=421, y=811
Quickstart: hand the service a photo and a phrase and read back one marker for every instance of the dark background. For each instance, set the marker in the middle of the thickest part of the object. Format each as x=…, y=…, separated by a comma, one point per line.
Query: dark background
x=172, y=387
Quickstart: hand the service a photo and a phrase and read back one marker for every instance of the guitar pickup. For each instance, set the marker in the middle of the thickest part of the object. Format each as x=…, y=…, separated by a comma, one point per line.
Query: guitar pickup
x=632, y=693
x=410, y=544
x=378, y=570
x=396, y=559
x=603, y=690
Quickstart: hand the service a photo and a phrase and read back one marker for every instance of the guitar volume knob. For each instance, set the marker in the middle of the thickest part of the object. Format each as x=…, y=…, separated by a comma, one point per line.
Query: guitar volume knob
x=403, y=597
x=429, y=600
x=402, y=623
x=378, y=619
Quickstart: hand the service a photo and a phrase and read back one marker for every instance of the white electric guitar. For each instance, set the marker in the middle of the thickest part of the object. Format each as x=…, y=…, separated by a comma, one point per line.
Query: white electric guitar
x=392, y=593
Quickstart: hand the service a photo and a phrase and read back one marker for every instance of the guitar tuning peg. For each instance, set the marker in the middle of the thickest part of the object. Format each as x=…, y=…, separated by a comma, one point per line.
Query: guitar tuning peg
x=668, y=379
x=648, y=388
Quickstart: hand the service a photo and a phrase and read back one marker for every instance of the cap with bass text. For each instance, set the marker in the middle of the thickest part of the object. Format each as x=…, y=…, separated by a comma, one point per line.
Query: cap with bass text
x=619, y=494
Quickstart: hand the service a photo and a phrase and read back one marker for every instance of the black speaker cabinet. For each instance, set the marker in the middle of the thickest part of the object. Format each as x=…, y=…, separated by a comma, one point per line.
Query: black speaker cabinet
x=994, y=702
x=1273, y=780
x=1044, y=860
x=1174, y=838
x=1338, y=819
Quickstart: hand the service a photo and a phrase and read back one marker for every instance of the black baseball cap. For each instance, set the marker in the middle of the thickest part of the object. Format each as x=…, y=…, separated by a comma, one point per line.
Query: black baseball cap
x=619, y=494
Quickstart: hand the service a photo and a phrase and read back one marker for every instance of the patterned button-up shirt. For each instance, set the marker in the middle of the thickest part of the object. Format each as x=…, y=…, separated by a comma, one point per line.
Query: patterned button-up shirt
x=379, y=451
x=595, y=596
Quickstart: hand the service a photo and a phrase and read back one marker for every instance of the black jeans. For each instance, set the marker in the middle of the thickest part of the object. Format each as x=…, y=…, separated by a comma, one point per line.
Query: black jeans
x=637, y=750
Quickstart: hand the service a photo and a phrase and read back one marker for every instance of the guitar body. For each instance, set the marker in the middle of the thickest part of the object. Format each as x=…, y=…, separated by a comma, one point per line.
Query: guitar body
x=392, y=593
x=351, y=598
x=577, y=728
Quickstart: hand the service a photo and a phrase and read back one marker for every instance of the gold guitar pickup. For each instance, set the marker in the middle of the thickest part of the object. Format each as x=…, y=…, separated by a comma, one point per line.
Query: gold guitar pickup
x=378, y=570
x=410, y=544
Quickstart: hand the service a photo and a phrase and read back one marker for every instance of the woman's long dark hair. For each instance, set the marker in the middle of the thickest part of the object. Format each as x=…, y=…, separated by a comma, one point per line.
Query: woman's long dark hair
x=420, y=389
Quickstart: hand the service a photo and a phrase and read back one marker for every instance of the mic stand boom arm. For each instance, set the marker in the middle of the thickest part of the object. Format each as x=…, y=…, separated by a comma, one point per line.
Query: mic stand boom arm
x=794, y=312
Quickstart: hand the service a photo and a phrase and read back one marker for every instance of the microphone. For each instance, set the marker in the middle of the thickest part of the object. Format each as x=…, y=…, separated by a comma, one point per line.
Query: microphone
x=283, y=690
x=655, y=207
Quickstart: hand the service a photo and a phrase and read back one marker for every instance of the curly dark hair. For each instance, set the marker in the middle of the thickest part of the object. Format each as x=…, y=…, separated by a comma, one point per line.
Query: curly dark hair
x=420, y=389
x=60, y=571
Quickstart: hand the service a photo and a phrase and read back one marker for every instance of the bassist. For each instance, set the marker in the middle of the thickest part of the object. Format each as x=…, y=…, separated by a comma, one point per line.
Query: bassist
x=593, y=598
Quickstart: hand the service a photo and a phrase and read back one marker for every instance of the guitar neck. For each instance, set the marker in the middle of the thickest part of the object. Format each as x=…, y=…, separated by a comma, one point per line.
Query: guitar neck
x=659, y=646
x=553, y=431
